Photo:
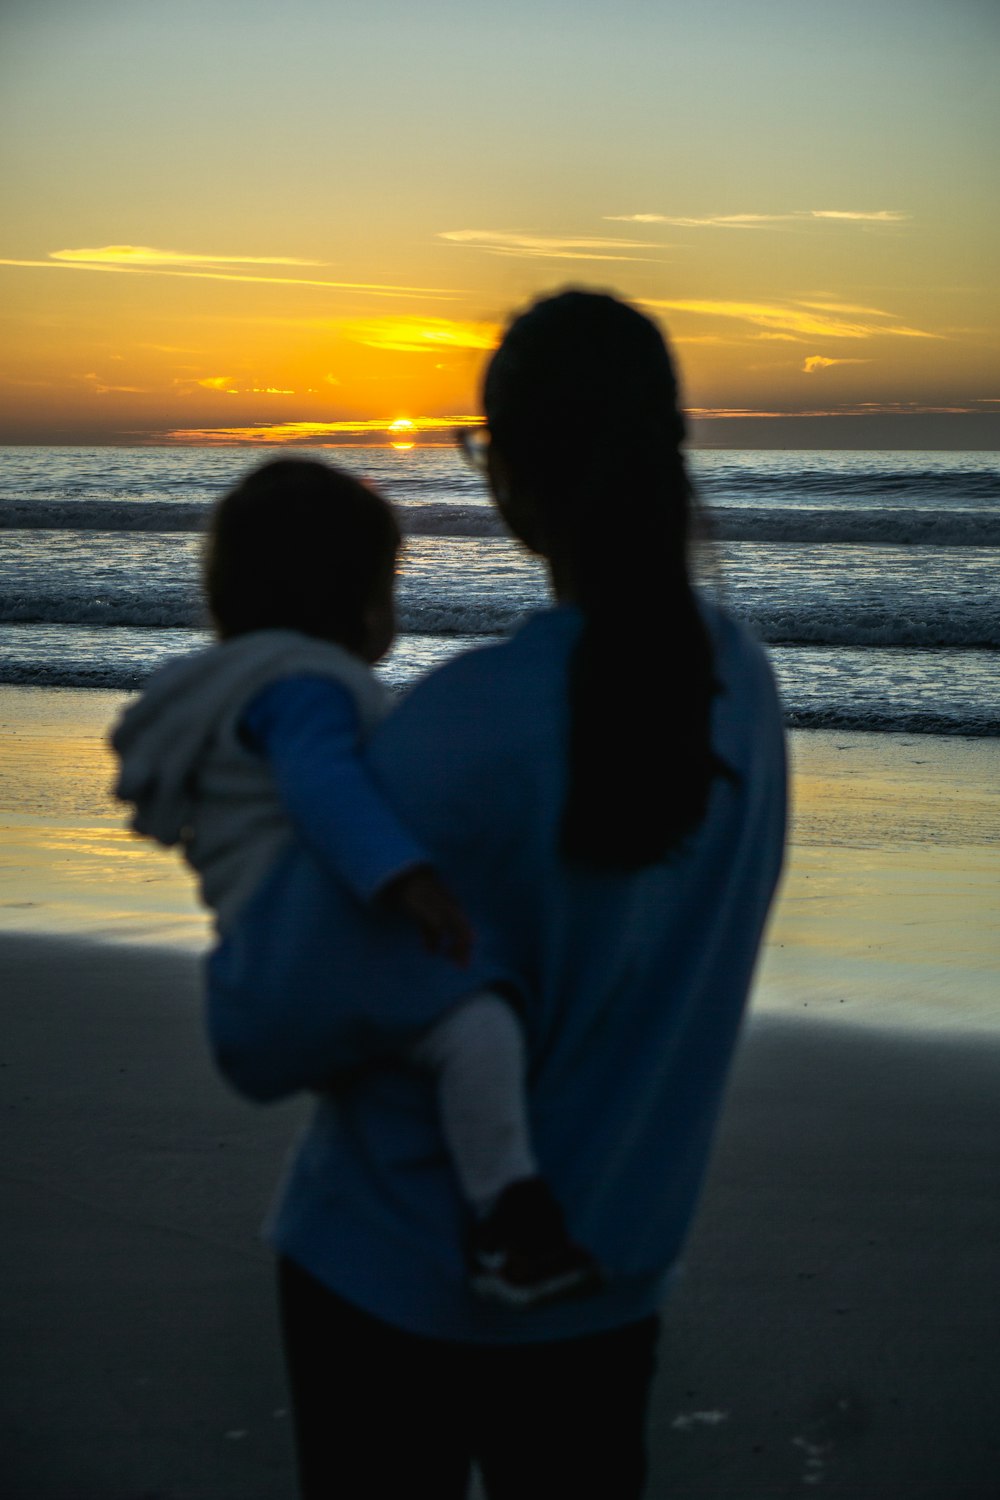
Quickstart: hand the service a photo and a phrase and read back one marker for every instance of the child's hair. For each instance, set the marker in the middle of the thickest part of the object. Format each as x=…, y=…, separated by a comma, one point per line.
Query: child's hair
x=298, y=545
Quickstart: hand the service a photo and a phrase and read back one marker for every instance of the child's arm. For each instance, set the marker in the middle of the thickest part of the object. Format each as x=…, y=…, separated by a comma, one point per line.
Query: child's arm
x=308, y=730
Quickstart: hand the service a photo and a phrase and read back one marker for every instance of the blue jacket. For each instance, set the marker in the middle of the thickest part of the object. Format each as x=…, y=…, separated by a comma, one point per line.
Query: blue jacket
x=633, y=987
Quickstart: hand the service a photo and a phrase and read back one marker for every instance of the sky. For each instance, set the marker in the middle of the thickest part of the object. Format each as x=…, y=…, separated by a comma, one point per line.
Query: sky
x=230, y=220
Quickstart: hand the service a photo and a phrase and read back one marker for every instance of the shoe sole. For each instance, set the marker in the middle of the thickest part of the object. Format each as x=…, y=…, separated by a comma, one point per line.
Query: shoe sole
x=571, y=1284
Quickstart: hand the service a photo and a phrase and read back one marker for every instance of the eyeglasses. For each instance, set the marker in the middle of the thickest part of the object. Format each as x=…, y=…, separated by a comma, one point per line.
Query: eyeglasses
x=474, y=446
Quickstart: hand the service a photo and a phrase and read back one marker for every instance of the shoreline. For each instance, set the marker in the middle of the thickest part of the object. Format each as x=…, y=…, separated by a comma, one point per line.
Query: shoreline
x=836, y=1323
x=886, y=913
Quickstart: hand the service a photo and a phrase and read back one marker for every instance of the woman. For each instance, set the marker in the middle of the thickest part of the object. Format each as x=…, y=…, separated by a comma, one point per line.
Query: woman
x=606, y=791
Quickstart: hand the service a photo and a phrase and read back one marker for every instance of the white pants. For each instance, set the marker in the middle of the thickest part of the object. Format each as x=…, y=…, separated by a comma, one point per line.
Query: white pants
x=477, y=1057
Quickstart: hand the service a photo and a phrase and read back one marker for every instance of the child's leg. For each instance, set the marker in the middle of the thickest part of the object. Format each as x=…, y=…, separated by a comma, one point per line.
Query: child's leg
x=520, y=1252
x=476, y=1053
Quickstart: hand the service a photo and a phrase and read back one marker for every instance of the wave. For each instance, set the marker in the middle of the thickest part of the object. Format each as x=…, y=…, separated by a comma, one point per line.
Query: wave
x=776, y=475
x=975, y=627
x=103, y=515
x=974, y=721
x=736, y=523
x=743, y=523
x=898, y=528
x=969, y=625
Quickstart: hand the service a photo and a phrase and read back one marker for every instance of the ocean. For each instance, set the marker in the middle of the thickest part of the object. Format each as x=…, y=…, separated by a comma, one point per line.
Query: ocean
x=871, y=577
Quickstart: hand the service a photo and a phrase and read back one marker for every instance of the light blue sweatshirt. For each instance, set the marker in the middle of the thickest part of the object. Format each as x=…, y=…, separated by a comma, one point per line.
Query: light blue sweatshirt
x=633, y=988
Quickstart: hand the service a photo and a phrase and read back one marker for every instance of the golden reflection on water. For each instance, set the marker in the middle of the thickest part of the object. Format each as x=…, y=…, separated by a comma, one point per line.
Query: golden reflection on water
x=67, y=861
x=887, y=910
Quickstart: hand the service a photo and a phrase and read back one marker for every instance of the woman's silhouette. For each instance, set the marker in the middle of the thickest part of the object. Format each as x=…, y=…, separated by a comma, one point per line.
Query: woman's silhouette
x=606, y=791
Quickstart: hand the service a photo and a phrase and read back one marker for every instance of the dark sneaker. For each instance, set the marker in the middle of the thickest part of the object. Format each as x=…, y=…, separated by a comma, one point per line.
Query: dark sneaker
x=521, y=1254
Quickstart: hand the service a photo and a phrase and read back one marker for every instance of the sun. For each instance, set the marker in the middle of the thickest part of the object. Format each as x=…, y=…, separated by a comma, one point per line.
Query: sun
x=402, y=429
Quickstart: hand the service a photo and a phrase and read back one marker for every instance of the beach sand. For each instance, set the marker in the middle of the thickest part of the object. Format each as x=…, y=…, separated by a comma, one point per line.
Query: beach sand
x=837, y=1324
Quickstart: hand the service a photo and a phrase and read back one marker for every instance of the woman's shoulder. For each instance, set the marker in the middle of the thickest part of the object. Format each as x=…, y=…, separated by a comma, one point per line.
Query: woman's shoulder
x=484, y=713
x=735, y=644
x=508, y=674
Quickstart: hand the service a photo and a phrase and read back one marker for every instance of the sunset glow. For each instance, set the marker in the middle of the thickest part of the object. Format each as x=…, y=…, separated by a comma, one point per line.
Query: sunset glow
x=796, y=196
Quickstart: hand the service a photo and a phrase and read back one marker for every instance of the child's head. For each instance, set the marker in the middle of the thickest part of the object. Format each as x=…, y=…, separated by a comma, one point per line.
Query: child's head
x=298, y=545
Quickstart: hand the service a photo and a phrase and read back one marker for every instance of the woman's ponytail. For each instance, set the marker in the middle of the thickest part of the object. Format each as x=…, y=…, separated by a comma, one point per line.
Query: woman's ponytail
x=581, y=403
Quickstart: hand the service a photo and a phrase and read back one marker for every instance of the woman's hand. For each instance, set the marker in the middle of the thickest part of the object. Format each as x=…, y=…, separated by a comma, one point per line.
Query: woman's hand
x=422, y=895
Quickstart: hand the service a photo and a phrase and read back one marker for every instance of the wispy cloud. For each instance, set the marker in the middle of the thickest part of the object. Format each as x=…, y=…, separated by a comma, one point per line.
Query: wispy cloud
x=915, y=408
x=145, y=256
x=215, y=383
x=795, y=318
x=854, y=409
x=828, y=305
x=226, y=385
x=101, y=388
x=816, y=362
x=168, y=348
x=720, y=413
x=142, y=260
x=677, y=339
x=388, y=430
x=414, y=335
x=383, y=431
x=761, y=221
x=541, y=247
x=710, y=221
x=863, y=216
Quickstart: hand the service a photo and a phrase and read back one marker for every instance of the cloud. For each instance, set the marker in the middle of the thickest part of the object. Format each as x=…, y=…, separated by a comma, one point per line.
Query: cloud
x=852, y=409
x=717, y=413
x=414, y=335
x=713, y=221
x=844, y=307
x=226, y=385
x=145, y=255
x=816, y=362
x=761, y=221
x=788, y=318
x=113, y=260
x=312, y=433
x=500, y=242
x=216, y=383
x=879, y=216
x=707, y=338
x=910, y=408
x=99, y=387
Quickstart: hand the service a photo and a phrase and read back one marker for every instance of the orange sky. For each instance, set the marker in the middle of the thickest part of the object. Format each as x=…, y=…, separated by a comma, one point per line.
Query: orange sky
x=227, y=222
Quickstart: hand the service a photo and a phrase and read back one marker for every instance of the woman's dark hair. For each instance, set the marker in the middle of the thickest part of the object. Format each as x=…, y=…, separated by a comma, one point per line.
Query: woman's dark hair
x=581, y=405
x=298, y=545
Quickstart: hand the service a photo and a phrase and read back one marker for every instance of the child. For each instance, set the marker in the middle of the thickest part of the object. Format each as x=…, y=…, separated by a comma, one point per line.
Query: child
x=232, y=751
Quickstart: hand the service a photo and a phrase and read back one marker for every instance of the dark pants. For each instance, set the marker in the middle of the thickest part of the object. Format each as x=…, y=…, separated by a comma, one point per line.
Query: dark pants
x=381, y=1414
